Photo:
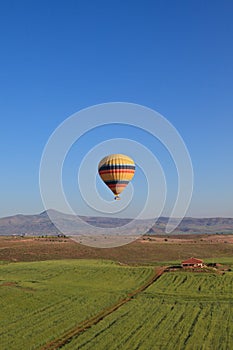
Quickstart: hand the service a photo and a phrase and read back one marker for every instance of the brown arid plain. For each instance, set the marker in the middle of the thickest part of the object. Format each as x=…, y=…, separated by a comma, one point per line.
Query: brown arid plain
x=146, y=250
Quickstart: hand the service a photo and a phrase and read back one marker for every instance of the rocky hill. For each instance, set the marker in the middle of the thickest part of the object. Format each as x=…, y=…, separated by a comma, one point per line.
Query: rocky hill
x=40, y=224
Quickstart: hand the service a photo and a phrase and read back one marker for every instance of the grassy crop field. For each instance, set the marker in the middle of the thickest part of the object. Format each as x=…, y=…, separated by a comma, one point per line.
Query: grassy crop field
x=42, y=300
x=57, y=294
x=179, y=311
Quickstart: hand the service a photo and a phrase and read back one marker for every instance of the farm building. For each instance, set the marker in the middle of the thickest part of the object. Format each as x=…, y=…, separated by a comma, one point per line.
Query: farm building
x=192, y=262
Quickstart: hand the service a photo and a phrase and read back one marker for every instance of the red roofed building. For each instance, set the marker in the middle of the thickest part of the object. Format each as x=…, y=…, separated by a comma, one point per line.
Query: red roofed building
x=192, y=262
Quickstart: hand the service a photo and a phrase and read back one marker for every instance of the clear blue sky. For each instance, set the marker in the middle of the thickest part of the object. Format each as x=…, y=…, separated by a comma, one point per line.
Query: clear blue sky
x=58, y=57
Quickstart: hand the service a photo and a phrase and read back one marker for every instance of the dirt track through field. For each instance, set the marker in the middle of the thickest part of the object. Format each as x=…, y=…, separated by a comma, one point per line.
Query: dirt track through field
x=83, y=326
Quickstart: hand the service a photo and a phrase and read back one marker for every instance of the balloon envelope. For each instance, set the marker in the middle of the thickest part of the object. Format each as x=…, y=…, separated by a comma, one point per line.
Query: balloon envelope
x=116, y=170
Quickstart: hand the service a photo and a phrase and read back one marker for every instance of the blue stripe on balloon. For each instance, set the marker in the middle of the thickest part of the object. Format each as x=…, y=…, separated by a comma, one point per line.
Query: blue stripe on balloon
x=116, y=182
x=116, y=167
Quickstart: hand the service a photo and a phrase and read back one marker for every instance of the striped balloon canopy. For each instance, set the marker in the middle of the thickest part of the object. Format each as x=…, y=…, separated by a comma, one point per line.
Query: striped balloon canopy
x=116, y=171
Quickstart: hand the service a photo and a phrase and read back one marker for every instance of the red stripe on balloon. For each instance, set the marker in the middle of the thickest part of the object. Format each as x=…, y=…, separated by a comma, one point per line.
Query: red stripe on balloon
x=116, y=185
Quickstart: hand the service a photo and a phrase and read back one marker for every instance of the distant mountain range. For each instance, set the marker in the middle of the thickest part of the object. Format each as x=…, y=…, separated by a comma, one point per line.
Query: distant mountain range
x=191, y=225
x=40, y=224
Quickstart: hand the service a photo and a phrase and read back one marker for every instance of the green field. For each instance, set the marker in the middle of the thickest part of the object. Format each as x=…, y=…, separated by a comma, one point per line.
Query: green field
x=42, y=300
x=179, y=311
x=44, y=303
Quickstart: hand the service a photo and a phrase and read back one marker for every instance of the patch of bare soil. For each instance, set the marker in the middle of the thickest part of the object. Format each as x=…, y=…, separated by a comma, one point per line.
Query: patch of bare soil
x=179, y=239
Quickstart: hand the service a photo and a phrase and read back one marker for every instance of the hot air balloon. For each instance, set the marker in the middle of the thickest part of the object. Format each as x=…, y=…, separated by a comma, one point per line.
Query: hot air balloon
x=116, y=170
